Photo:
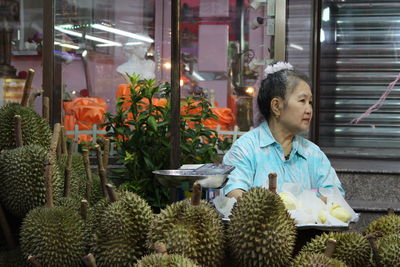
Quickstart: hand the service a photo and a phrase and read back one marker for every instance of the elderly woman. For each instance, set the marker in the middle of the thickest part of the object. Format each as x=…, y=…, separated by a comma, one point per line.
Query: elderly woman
x=285, y=101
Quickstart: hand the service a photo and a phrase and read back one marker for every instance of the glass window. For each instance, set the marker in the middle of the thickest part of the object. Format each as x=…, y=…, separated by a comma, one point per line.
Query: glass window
x=225, y=45
x=21, y=32
x=359, y=59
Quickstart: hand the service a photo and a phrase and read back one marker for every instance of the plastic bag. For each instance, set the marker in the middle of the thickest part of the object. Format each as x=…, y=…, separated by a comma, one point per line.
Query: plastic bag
x=336, y=198
x=224, y=205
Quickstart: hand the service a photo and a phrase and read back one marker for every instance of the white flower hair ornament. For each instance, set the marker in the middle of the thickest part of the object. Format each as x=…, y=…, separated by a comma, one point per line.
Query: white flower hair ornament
x=278, y=66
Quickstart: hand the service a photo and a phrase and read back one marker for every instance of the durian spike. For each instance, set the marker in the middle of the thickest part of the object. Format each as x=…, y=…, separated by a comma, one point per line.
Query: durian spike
x=46, y=108
x=330, y=247
x=68, y=170
x=32, y=260
x=375, y=252
x=111, y=193
x=49, y=167
x=106, y=153
x=33, y=97
x=89, y=260
x=84, y=209
x=196, y=194
x=89, y=182
x=272, y=178
x=102, y=171
x=390, y=211
x=5, y=227
x=63, y=140
x=18, y=130
x=27, y=88
x=160, y=248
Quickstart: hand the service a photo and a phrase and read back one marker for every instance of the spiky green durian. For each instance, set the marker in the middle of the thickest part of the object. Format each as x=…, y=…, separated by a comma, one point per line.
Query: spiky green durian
x=261, y=232
x=120, y=238
x=388, y=224
x=55, y=236
x=22, y=179
x=389, y=250
x=351, y=248
x=316, y=260
x=35, y=130
x=193, y=231
x=160, y=260
x=12, y=258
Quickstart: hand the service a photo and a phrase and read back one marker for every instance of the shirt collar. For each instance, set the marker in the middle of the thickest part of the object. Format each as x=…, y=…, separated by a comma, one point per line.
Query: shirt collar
x=266, y=139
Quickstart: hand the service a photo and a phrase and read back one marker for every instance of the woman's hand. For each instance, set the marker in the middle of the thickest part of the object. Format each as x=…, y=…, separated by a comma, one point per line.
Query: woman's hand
x=236, y=193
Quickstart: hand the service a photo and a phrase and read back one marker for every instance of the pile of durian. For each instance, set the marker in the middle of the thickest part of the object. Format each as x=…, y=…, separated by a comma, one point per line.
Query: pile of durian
x=71, y=216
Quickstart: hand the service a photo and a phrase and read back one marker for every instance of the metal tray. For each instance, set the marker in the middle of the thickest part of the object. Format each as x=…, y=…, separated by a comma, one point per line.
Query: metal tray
x=208, y=175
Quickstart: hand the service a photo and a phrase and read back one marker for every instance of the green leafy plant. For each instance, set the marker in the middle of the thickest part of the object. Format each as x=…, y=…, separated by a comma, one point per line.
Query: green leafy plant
x=140, y=129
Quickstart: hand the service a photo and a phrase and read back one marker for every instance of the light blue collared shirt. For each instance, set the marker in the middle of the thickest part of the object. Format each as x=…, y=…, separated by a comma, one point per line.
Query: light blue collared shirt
x=257, y=153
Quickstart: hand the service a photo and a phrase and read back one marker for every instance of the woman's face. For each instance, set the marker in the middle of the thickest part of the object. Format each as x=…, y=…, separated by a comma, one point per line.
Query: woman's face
x=297, y=110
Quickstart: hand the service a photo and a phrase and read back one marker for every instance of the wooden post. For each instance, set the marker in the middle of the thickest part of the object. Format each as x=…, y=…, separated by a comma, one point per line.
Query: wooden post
x=111, y=193
x=49, y=168
x=27, y=88
x=196, y=194
x=68, y=169
x=32, y=260
x=89, y=260
x=46, y=108
x=330, y=247
x=89, y=183
x=84, y=209
x=272, y=177
x=102, y=171
x=106, y=153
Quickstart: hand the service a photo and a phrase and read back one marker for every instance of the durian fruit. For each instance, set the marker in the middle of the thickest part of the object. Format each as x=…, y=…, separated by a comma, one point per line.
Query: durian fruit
x=192, y=228
x=319, y=259
x=22, y=180
x=120, y=238
x=162, y=259
x=388, y=224
x=340, y=213
x=168, y=260
x=35, y=130
x=261, y=232
x=389, y=250
x=351, y=248
x=316, y=260
x=54, y=235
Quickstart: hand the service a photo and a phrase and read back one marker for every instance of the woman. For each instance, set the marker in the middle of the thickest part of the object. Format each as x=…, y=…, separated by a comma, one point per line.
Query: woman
x=285, y=101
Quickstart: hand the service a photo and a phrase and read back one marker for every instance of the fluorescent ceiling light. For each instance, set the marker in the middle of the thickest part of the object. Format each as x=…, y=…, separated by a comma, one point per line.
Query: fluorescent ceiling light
x=108, y=45
x=198, y=76
x=67, y=45
x=87, y=36
x=134, y=43
x=295, y=46
x=73, y=33
x=326, y=14
x=124, y=33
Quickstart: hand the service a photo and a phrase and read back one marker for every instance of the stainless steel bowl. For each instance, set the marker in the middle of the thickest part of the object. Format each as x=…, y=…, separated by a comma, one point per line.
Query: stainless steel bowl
x=175, y=178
